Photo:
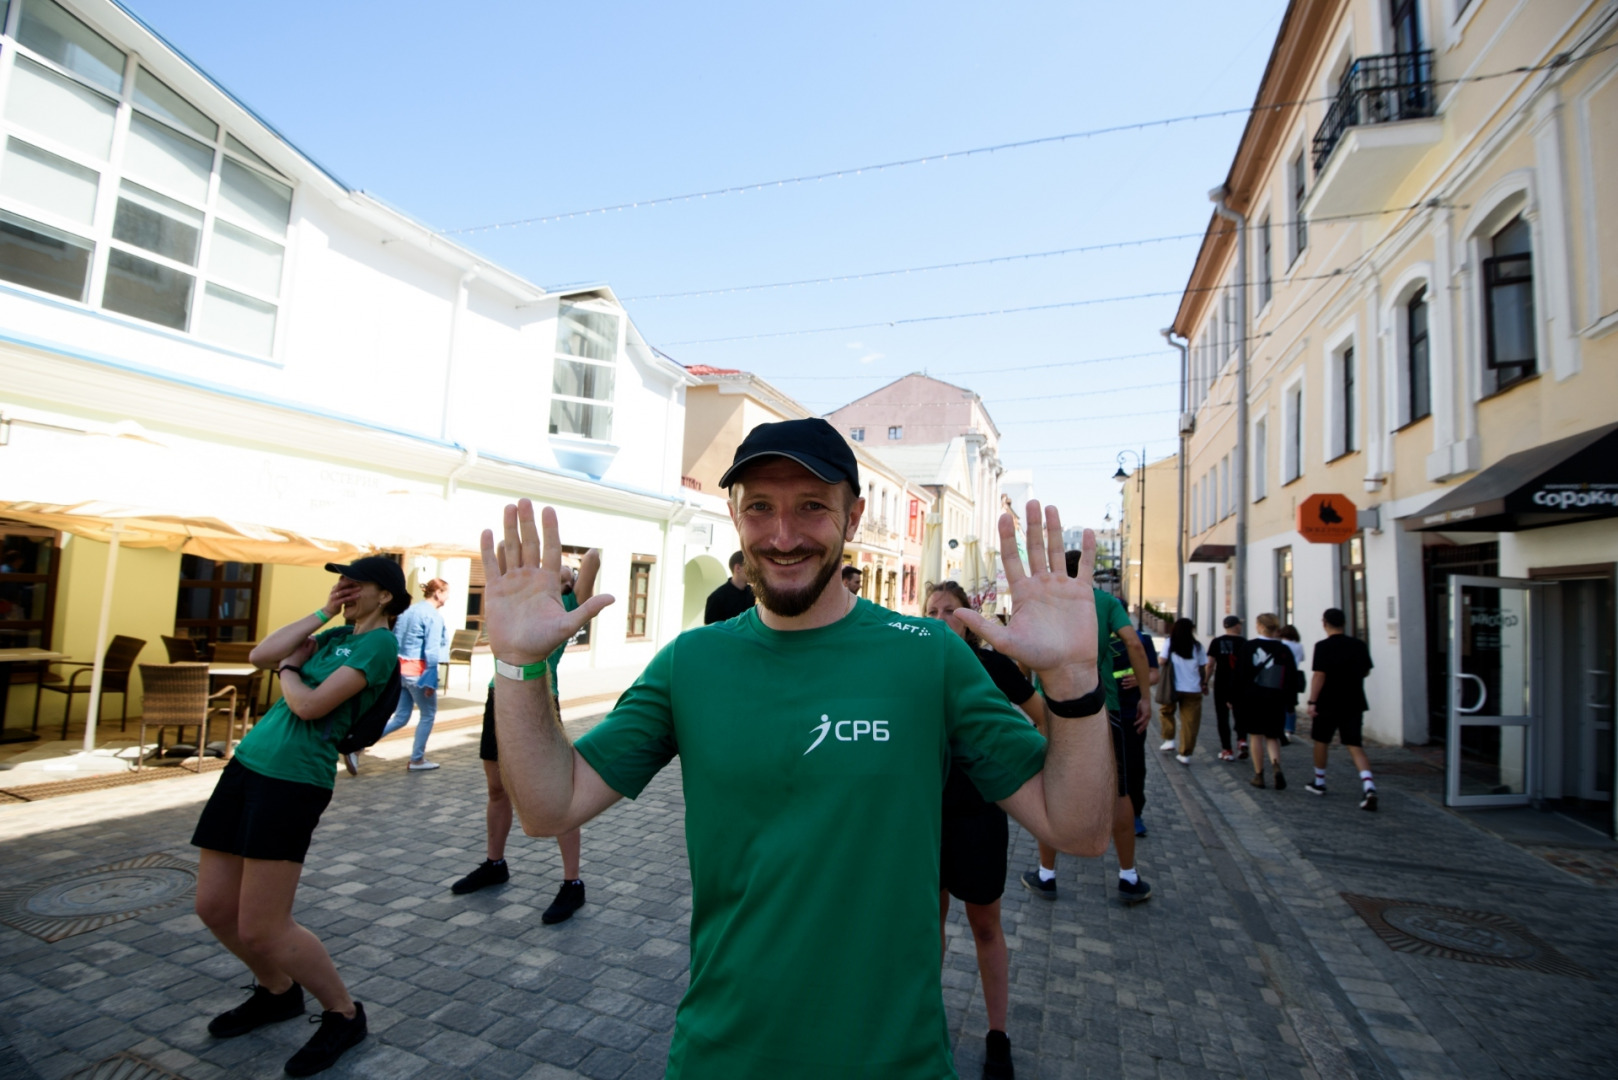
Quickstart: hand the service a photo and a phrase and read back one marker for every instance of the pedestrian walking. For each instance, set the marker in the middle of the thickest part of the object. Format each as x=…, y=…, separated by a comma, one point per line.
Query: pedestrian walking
x=853, y=578
x=972, y=857
x=423, y=645
x=1224, y=654
x=733, y=596
x=577, y=587
x=1289, y=635
x=813, y=805
x=1266, y=672
x=1187, y=674
x=1112, y=620
x=256, y=827
x=1337, y=702
x=1129, y=701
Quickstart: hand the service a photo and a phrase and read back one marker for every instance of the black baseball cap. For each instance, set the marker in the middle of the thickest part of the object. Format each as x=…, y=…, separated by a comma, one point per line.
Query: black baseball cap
x=1232, y=620
x=380, y=571
x=812, y=443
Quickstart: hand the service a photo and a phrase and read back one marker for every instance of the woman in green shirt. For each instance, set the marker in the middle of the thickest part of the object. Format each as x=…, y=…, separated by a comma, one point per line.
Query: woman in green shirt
x=256, y=828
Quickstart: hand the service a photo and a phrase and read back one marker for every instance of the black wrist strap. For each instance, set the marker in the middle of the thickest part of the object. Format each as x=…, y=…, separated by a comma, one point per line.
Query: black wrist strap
x=1088, y=705
x=284, y=668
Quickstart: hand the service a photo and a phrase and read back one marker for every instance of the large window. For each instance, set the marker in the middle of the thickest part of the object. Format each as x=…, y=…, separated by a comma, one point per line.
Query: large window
x=1347, y=386
x=1264, y=262
x=1299, y=176
x=28, y=564
x=1351, y=583
x=1292, y=423
x=1261, y=459
x=1341, y=434
x=586, y=360
x=118, y=192
x=1508, y=295
x=1418, y=357
x=1283, y=584
x=218, y=600
x=640, y=593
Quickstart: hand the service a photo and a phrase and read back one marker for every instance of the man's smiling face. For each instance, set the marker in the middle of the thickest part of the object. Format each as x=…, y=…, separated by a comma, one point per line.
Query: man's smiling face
x=793, y=526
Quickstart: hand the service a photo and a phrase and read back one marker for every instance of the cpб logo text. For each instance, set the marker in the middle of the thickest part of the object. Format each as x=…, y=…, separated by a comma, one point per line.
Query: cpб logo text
x=848, y=731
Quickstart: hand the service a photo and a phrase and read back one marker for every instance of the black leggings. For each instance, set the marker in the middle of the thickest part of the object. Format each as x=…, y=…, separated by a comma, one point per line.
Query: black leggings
x=1225, y=709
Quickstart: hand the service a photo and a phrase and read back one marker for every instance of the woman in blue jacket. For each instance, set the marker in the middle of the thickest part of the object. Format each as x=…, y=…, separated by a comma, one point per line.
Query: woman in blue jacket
x=423, y=643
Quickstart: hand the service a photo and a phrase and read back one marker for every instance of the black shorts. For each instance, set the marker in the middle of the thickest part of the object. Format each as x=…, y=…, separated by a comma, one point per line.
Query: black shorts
x=259, y=817
x=972, y=866
x=1115, y=724
x=1345, y=725
x=488, y=747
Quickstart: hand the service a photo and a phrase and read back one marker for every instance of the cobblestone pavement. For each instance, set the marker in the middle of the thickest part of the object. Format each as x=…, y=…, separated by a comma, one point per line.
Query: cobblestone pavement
x=1246, y=962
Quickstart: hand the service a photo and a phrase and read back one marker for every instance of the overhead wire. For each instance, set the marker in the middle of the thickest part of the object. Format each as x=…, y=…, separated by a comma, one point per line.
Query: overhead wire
x=1561, y=60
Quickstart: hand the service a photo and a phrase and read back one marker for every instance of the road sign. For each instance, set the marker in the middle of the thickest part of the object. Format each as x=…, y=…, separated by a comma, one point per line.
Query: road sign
x=1327, y=519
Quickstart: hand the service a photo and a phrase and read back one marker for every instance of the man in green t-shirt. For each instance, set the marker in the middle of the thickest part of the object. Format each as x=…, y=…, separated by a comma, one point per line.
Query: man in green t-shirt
x=813, y=804
x=1112, y=621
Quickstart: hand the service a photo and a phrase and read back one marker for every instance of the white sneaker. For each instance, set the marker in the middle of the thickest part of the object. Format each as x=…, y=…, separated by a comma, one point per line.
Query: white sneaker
x=1183, y=759
x=1168, y=745
x=351, y=762
x=422, y=766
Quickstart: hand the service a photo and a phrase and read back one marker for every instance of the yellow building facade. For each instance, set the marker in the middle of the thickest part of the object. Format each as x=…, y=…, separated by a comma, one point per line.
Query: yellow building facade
x=1426, y=190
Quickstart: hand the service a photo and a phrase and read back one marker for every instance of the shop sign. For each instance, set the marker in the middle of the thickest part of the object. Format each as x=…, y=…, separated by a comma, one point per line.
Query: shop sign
x=1327, y=519
x=1575, y=496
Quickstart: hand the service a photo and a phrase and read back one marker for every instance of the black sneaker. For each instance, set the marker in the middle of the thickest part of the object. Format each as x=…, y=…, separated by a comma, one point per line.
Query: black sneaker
x=1315, y=787
x=569, y=899
x=490, y=873
x=336, y=1034
x=260, y=1009
x=1045, y=890
x=1134, y=894
x=1280, y=780
x=997, y=1057
x=1369, y=802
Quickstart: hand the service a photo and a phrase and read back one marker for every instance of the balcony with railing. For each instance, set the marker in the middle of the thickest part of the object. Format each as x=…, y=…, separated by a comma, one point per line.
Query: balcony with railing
x=1379, y=126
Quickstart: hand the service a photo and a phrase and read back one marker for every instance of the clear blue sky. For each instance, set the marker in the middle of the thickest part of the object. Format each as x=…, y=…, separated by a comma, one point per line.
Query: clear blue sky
x=494, y=110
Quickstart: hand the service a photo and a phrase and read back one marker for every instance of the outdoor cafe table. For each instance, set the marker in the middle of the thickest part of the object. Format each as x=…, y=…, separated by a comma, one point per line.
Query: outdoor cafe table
x=8, y=657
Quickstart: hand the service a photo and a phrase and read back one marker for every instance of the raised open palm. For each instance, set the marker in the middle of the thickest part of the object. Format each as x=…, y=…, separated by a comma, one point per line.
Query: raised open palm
x=1053, y=616
x=522, y=593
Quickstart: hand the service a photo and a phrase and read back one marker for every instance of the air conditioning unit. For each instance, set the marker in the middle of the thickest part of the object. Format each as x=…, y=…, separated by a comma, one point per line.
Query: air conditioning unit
x=1188, y=423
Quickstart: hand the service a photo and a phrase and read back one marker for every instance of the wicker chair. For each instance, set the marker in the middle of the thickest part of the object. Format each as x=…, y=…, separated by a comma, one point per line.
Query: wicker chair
x=182, y=650
x=461, y=643
x=115, y=671
x=176, y=695
x=249, y=688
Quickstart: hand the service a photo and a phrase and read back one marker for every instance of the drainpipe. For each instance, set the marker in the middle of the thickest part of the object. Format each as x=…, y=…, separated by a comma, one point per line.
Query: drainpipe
x=1179, y=528
x=469, y=458
x=1218, y=196
x=462, y=289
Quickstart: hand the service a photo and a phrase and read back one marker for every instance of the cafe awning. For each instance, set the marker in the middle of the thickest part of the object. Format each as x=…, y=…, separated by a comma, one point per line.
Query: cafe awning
x=1571, y=479
x=1213, y=553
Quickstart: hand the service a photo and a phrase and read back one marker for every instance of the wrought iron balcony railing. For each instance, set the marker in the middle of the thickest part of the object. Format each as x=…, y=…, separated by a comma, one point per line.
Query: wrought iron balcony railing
x=1377, y=90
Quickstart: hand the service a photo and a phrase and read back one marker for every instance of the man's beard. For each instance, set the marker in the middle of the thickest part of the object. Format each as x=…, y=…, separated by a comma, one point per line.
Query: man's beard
x=797, y=601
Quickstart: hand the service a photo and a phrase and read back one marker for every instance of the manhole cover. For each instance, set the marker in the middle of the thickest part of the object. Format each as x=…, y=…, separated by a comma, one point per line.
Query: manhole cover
x=83, y=900
x=1476, y=937
x=124, y=1066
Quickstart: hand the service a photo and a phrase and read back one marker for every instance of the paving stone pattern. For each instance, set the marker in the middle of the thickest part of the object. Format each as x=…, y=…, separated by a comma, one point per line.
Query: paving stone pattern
x=1246, y=962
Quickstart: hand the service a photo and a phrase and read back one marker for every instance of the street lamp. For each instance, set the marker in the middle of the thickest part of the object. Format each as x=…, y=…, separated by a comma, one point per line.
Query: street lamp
x=1140, y=488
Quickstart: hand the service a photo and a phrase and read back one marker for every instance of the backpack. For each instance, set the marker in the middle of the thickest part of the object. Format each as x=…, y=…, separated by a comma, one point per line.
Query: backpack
x=367, y=727
x=1269, y=673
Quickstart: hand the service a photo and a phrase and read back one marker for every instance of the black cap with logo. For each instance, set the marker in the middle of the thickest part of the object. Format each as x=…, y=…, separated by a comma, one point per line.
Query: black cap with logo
x=380, y=571
x=812, y=443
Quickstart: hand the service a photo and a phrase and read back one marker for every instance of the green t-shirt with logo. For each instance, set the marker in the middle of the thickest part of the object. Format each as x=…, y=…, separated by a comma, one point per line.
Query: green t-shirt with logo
x=285, y=746
x=813, y=809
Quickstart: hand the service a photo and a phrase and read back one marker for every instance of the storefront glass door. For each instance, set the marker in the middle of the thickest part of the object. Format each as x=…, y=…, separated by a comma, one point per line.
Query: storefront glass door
x=1493, y=700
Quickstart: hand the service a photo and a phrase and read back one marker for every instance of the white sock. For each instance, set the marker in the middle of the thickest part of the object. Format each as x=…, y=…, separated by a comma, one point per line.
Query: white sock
x=1365, y=778
x=1320, y=777
x=1046, y=875
x=1128, y=875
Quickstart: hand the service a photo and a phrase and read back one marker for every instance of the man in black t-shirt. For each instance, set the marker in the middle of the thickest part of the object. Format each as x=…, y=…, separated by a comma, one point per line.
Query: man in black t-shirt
x=1337, y=701
x=1224, y=655
x=1129, y=692
x=731, y=598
